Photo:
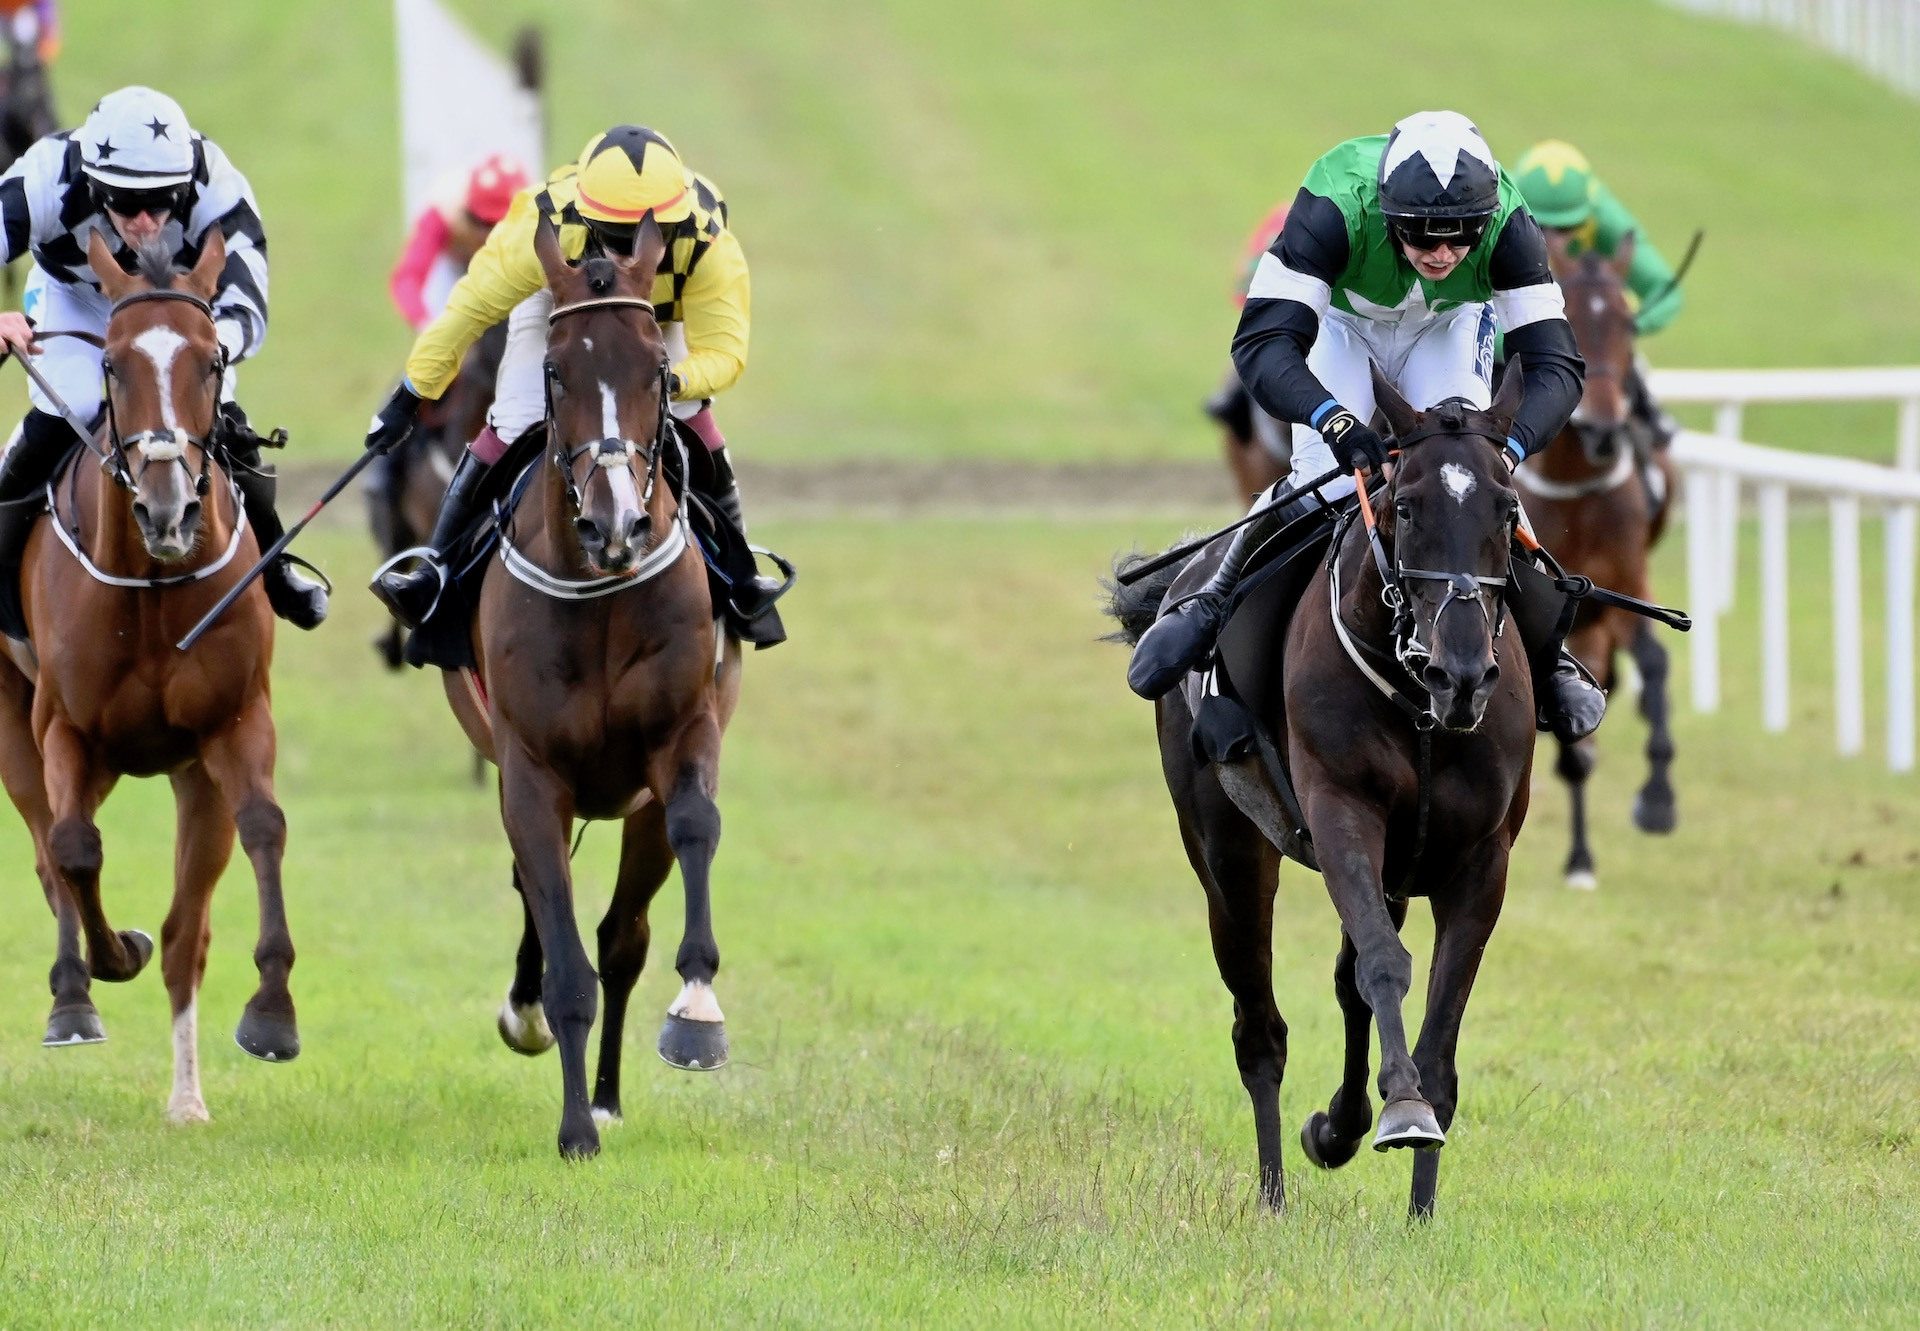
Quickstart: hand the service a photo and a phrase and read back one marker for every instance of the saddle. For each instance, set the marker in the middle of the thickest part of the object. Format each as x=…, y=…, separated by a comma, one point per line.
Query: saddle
x=445, y=638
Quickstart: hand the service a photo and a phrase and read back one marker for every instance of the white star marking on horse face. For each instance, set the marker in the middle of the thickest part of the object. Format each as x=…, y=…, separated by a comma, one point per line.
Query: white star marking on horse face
x=1440, y=137
x=1458, y=480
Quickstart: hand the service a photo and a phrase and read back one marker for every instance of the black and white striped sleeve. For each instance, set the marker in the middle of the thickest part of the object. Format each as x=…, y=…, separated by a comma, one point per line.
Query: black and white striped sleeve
x=31, y=196
x=1532, y=314
x=240, y=304
x=1291, y=289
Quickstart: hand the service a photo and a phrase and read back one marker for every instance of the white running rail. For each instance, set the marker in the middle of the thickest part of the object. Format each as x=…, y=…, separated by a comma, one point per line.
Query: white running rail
x=1880, y=36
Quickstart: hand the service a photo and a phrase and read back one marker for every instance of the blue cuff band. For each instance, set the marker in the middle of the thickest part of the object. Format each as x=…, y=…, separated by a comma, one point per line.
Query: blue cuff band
x=1514, y=447
x=1322, y=411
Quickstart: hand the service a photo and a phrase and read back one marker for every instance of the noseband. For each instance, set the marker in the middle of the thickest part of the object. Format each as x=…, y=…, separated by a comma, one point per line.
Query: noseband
x=156, y=445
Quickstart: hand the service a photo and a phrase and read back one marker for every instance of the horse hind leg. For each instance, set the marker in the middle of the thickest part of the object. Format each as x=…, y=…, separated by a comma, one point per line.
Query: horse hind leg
x=1654, y=808
x=646, y=859
x=204, y=834
x=522, y=1022
x=694, y=1035
x=1575, y=765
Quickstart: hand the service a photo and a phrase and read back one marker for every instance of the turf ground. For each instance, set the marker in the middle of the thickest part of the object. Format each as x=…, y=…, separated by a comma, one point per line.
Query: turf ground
x=982, y=1072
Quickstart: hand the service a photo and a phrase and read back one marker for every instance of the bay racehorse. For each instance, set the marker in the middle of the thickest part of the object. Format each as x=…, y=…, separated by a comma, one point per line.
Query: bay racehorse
x=1591, y=500
x=135, y=551
x=26, y=108
x=603, y=688
x=1406, y=722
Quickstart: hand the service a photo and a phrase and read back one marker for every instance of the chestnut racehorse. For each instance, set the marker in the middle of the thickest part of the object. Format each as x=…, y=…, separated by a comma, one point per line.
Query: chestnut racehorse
x=137, y=550
x=1588, y=501
x=604, y=687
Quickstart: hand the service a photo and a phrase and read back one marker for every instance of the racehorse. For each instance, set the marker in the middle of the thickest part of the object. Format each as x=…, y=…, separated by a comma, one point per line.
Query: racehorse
x=136, y=551
x=1589, y=501
x=603, y=688
x=1257, y=448
x=423, y=465
x=1406, y=721
x=26, y=108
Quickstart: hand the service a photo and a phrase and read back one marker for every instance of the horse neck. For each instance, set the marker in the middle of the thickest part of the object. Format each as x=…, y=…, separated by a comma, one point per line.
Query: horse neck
x=1361, y=607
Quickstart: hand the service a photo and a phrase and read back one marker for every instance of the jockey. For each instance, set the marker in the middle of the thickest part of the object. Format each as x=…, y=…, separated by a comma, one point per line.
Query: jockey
x=1404, y=249
x=447, y=234
x=32, y=24
x=134, y=171
x=700, y=297
x=1564, y=196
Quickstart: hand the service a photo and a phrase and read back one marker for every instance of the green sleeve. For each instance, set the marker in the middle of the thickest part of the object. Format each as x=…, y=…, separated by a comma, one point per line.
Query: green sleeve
x=1650, y=275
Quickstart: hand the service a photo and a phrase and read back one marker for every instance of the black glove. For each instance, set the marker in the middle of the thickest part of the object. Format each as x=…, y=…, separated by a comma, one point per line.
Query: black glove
x=394, y=423
x=1354, y=445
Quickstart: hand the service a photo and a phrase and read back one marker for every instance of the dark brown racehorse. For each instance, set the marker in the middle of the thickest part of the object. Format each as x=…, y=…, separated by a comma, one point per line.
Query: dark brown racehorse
x=1247, y=439
x=603, y=689
x=26, y=109
x=140, y=546
x=1588, y=501
x=1396, y=807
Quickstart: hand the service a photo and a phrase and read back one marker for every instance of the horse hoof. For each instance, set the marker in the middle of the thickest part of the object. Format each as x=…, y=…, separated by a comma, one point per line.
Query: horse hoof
x=1408, y=1123
x=1322, y=1146
x=271, y=1039
x=139, y=946
x=1655, y=815
x=693, y=1046
x=390, y=650
x=77, y=1023
x=183, y=1112
x=524, y=1028
x=1582, y=880
x=581, y=1143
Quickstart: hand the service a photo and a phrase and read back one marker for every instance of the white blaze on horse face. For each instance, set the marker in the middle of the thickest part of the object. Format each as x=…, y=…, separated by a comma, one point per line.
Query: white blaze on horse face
x=696, y=1003
x=186, y=1106
x=162, y=345
x=1458, y=480
x=609, y=412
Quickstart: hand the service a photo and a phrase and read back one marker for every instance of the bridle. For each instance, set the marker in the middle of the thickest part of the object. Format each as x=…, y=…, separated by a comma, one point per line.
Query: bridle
x=166, y=445
x=609, y=451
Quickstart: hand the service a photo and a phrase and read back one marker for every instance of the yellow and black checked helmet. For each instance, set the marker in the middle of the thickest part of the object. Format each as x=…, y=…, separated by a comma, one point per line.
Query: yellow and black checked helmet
x=628, y=172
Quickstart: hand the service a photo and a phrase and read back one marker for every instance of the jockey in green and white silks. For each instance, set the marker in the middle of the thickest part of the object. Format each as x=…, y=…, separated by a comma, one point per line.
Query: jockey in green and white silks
x=1408, y=250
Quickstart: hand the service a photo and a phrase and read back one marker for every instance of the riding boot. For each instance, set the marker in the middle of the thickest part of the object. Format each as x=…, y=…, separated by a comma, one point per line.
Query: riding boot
x=1181, y=639
x=294, y=597
x=751, y=590
x=412, y=594
x=380, y=482
x=1566, y=701
x=44, y=439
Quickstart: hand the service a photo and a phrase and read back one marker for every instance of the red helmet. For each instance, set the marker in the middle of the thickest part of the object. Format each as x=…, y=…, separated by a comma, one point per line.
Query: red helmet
x=492, y=185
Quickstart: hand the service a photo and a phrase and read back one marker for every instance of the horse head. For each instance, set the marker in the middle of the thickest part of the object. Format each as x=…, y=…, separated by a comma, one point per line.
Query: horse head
x=1602, y=321
x=162, y=364
x=1449, y=522
x=606, y=398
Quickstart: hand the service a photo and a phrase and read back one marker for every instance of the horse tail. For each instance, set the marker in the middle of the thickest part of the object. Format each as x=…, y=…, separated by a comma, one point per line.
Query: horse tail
x=1135, y=606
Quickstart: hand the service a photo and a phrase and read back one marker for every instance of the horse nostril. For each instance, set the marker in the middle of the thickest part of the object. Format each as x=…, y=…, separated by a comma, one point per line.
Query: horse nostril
x=141, y=515
x=589, y=532
x=1488, y=680
x=1436, y=680
x=190, y=514
x=637, y=529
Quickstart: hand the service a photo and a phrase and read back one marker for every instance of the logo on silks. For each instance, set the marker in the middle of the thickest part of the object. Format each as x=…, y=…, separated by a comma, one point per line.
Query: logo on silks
x=1337, y=425
x=1483, y=347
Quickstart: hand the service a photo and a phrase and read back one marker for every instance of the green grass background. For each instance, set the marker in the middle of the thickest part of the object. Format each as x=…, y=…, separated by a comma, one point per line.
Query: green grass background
x=1010, y=228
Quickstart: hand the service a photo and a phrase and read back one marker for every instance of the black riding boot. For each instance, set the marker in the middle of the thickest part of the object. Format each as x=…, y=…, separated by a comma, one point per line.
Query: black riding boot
x=752, y=591
x=1182, y=638
x=380, y=482
x=44, y=439
x=1566, y=702
x=293, y=596
x=413, y=594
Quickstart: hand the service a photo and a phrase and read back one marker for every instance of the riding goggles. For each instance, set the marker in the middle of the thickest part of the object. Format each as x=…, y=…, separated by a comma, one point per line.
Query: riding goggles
x=1430, y=233
x=130, y=201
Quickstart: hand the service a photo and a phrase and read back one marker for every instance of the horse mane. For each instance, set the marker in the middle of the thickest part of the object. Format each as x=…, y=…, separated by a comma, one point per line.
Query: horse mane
x=601, y=275
x=154, y=261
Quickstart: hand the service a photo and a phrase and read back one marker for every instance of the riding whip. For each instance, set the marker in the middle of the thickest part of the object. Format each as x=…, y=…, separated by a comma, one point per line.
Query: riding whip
x=67, y=413
x=274, y=551
x=1686, y=262
x=1180, y=552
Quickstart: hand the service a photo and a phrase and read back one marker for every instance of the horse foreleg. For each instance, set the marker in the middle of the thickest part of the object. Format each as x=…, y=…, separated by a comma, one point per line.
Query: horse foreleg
x=1330, y=1139
x=523, y=1022
x=203, y=843
x=694, y=1036
x=1463, y=920
x=645, y=860
x=1351, y=840
x=537, y=811
x=240, y=761
x=74, y=1019
x=1654, y=807
x=1575, y=765
x=75, y=789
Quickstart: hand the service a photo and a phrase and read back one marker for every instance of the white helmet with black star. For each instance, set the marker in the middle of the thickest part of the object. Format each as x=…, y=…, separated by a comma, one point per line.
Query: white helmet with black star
x=137, y=139
x=1437, y=176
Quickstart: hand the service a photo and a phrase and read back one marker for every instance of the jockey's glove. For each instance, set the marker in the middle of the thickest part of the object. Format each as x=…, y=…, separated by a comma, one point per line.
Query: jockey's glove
x=395, y=420
x=1355, y=446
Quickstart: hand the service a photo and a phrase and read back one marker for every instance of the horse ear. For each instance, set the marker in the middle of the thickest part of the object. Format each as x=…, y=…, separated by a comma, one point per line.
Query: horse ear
x=114, y=281
x=1623, y=254
x=649, y=247
x=546, y=247
x=204, y=280
x=1506, y=402
x=1400, y=417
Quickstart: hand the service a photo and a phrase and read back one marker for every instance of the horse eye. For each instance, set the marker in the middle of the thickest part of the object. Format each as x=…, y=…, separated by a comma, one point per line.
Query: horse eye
x=1403, y=509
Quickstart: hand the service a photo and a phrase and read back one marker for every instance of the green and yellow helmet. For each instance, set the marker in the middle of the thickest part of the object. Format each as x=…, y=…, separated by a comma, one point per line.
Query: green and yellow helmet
x=1557, y=183
x=628, y=172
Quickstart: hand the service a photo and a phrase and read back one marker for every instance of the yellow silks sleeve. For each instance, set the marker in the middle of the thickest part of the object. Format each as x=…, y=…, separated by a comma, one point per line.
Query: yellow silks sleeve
x=504, y=272
x=717, y=307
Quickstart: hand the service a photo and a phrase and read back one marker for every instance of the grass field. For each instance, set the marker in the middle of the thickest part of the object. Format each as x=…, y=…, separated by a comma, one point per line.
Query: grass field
x=982, y=1072
x=1010, y=229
